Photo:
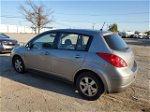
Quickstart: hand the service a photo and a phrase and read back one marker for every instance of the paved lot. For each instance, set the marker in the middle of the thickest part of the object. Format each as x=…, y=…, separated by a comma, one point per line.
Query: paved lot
x=31, y=92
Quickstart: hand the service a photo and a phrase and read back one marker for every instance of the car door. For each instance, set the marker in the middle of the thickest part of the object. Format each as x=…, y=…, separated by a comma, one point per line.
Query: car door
x=38, y=56
x=69, y=55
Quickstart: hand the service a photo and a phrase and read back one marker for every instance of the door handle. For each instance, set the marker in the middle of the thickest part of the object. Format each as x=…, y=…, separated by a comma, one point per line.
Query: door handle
x=46, y=53
x=77, y=56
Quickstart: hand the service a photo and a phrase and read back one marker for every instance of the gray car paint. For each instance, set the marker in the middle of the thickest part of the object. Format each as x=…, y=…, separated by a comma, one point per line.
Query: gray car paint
x=65, y=64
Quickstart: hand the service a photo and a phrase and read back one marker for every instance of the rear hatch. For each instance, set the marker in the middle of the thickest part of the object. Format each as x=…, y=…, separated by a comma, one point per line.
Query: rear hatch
x=120, y=48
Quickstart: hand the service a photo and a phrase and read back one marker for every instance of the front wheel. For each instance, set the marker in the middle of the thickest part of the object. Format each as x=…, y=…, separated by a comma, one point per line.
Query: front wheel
x=90, y=87
x=18, y=64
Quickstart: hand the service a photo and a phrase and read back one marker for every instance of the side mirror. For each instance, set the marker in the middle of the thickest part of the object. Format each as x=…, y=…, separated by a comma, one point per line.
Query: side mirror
x=29, y=46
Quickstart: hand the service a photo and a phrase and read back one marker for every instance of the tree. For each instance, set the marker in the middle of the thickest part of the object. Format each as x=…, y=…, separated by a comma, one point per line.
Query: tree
x=148, y=33
x=137, y=32
x=36, y=15
x=113, y=28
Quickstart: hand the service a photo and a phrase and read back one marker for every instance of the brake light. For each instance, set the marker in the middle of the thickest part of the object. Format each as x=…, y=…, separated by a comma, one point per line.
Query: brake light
x=113, y=59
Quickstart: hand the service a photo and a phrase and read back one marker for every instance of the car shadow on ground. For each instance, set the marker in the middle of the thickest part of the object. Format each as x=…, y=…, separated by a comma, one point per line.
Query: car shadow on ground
x=139, y=42
x=37, y=80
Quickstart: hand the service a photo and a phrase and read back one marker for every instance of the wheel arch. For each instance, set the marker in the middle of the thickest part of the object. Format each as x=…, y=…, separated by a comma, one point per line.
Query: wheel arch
x=99, y=76
x=16, y=55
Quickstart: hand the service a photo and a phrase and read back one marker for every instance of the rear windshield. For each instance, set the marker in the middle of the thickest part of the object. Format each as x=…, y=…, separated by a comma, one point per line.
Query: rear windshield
x=115, y=42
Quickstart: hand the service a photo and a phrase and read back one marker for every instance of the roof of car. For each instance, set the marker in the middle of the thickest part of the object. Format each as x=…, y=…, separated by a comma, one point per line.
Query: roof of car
x=82, y=31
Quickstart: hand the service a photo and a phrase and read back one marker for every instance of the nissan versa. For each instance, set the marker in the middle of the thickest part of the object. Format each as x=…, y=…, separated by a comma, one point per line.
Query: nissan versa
x=95, y=61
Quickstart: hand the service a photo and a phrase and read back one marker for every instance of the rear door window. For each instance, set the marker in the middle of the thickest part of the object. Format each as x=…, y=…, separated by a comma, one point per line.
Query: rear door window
x=115, y=42
x=68, y=41
x=72, y=41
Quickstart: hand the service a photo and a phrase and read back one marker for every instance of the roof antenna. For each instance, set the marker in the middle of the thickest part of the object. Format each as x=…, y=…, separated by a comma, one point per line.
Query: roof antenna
x=102, y=27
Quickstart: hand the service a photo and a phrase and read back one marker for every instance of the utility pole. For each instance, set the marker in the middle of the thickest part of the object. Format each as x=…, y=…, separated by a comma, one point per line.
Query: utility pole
x=7, y=29
x=93, y=25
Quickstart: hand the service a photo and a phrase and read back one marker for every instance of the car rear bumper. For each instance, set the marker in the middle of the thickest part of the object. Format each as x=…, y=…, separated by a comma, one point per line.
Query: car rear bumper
x=125, y=78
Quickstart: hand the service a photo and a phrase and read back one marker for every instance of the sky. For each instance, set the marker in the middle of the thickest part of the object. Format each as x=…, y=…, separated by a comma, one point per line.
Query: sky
x=129, y=15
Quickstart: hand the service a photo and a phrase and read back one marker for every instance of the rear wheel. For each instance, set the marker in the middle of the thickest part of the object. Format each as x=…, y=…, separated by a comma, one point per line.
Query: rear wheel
x=18, y=64
x=90, y=87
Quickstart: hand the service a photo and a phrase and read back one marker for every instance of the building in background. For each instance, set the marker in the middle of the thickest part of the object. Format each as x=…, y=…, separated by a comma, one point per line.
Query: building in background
x=5, y=28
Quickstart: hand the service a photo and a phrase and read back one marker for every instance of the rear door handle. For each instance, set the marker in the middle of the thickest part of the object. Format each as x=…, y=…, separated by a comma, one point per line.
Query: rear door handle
x=46, y=53
x=77, y=56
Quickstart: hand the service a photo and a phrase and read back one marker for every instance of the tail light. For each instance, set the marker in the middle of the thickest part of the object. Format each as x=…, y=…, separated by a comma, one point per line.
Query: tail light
x=113, y=59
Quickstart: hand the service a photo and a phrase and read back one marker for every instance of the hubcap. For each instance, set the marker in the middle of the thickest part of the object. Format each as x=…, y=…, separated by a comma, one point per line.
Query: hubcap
x=18, y=65
x=88, y=86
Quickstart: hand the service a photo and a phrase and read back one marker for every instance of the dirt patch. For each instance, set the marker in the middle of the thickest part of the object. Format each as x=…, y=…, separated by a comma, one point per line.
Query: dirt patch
x=31, y=92
x=21, y=37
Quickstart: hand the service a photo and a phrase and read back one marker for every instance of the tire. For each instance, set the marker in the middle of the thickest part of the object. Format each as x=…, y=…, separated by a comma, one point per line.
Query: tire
x=18, y=64
x=89, y=85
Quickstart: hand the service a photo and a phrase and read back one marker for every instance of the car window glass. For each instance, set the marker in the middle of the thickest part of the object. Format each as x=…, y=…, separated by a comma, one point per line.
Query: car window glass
x=44, y=41
x=115, y=42
x=3, y=36
x=68, y=41
x=82, y=42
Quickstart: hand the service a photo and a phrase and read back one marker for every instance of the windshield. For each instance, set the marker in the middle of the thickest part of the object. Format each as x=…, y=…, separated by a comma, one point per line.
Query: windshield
x=3, y=36
x=115, y=42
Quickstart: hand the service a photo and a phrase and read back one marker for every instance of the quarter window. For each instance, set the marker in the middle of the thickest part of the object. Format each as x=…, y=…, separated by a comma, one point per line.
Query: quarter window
x=82, y=42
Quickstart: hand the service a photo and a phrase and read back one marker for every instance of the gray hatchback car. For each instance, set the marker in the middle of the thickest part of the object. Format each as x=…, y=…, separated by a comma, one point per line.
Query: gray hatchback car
x=95, y=61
